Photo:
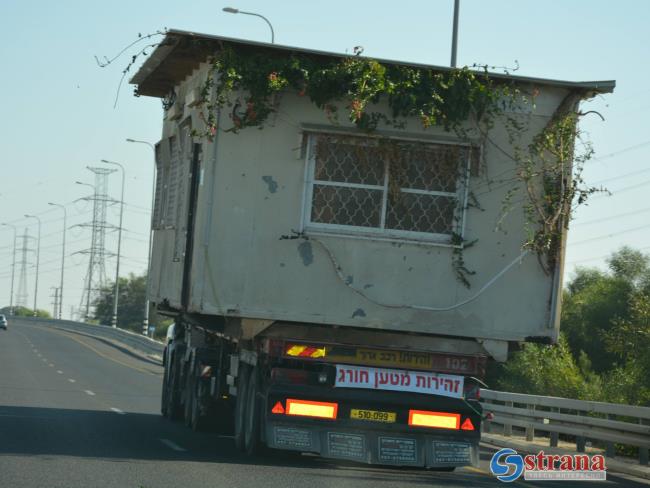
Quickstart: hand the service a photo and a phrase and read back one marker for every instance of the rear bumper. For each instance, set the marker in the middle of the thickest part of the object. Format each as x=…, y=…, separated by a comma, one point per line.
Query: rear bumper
x=373, y=446
x=396, y=443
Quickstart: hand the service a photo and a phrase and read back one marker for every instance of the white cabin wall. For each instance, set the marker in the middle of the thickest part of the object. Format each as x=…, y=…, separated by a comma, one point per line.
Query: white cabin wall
x=252, y=193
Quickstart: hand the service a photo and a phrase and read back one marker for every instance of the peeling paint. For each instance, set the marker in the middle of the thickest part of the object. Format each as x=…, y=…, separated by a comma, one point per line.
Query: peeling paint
x=272, y=184
x=359, y=312
x=306, y=253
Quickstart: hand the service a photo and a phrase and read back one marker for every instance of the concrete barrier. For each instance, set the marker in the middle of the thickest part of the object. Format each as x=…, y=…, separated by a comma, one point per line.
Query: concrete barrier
x=135, y=341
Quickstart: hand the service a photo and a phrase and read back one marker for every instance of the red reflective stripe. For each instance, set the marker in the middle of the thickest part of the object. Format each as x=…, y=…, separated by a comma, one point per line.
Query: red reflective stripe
x=308, y=352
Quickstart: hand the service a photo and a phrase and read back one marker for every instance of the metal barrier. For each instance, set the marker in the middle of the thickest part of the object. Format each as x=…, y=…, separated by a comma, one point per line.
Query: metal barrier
x=128, y=338
x=607, y=422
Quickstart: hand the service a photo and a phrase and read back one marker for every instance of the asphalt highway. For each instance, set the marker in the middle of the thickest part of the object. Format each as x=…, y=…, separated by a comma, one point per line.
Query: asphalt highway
x=76, y=412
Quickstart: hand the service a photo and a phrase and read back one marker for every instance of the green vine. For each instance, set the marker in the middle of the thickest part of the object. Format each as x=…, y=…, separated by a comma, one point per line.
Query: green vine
x=445, y=99
x=248, y=81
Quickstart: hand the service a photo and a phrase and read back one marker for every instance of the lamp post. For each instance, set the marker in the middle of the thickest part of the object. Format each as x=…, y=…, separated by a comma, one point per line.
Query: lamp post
x=119, y=244
x=65, y=217
x=454, y=36
x=231, y=10
x=145, y=321
x=92, y=253
x=38, y=259
x=13, y=271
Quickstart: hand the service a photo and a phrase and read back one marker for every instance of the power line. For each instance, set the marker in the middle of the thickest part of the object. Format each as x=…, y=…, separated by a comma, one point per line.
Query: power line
x=605, y=219
x=621, y=151
x=607, y=236
x=601, y=257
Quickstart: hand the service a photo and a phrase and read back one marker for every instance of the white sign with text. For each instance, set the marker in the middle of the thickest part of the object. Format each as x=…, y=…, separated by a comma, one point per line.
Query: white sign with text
x=399, y=380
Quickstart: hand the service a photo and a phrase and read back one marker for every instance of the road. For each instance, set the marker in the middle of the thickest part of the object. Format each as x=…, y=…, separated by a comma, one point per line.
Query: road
x=76, y=412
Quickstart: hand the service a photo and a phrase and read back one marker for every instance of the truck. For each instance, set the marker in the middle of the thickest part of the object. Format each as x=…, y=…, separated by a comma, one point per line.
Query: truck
x=344, y=243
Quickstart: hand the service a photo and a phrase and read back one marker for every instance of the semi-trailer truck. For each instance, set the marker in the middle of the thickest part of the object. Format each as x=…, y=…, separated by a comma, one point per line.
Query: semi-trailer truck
x=339, y=284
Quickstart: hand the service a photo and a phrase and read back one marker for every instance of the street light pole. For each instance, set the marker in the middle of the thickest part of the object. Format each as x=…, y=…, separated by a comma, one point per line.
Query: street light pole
x=38, y=259
x=65, y=217
x=145, y=321
x=231, y=10
x=119, y=244
x=13, y=272
x=454, y=36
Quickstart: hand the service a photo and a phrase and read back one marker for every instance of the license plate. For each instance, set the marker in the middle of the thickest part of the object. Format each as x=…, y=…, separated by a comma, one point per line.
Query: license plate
x=373, y=415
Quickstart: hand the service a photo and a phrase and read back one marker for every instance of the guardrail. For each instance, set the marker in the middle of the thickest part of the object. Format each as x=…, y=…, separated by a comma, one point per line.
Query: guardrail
x=598, y=421
x=126, y=337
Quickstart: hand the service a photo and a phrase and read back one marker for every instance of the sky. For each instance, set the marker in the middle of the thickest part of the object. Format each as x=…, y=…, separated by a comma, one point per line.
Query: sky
x=59, y=116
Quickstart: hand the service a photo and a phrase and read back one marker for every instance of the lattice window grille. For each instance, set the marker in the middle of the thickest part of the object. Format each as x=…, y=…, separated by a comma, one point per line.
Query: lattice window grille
x=349, y=188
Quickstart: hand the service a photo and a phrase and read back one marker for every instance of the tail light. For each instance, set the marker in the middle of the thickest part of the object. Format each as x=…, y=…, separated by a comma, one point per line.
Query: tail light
x=291, y=376
x=467, y=425
x=436, y=420
x=309, y=408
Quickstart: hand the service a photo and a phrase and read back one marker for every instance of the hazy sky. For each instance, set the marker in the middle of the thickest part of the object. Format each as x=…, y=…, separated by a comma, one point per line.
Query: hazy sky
x=58, y=113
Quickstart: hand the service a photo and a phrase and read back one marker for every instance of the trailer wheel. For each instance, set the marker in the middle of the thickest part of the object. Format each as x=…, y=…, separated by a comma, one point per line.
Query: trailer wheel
x=190, y=399
x=164, y=393
x=240, y=405
x=252, y=416
x=173, y=408
x=199, y=422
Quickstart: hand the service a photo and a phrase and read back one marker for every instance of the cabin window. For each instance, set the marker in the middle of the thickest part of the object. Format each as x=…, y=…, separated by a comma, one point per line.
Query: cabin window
x=394, y=188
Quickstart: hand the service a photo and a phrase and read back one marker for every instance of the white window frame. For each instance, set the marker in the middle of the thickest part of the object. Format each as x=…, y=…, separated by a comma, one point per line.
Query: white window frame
x=381, y=233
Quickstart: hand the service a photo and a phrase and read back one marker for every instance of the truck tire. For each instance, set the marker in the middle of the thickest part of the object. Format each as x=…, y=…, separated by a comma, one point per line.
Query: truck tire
x=164, y=393
x=173, y=408
x=200, y=422
x=189, y=399
x=240, y=405
x=252, y=416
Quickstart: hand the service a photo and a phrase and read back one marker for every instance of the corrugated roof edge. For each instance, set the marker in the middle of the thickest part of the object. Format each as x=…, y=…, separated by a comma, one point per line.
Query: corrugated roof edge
x=161, y=52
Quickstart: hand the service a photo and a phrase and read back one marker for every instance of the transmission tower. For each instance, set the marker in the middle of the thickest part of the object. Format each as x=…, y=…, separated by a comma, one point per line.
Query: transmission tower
x=96, y=274
x=21, y=295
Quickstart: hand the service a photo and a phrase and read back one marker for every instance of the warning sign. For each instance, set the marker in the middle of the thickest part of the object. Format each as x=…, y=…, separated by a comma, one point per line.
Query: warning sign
x=398, y=380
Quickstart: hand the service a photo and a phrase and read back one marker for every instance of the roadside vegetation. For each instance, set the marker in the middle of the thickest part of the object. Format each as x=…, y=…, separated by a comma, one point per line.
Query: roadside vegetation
x=25, y=312
x=604, y=350
x=130, y=307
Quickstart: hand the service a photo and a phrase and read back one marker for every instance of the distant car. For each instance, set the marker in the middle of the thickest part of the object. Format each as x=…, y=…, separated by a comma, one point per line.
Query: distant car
x=3, y=322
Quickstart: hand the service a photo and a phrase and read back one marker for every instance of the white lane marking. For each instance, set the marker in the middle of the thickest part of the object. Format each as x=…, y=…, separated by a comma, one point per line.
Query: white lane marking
x=59, y=371
x=71, y=380
x=44, y=360
x=51, y=365
x=88, y=392
x=117, y=410
x=173, y=446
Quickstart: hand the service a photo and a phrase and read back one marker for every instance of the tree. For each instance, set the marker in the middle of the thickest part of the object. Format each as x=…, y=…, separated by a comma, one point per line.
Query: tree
x=130, y=311
x=25, y=312
x=604, y=350
x=539, y=369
